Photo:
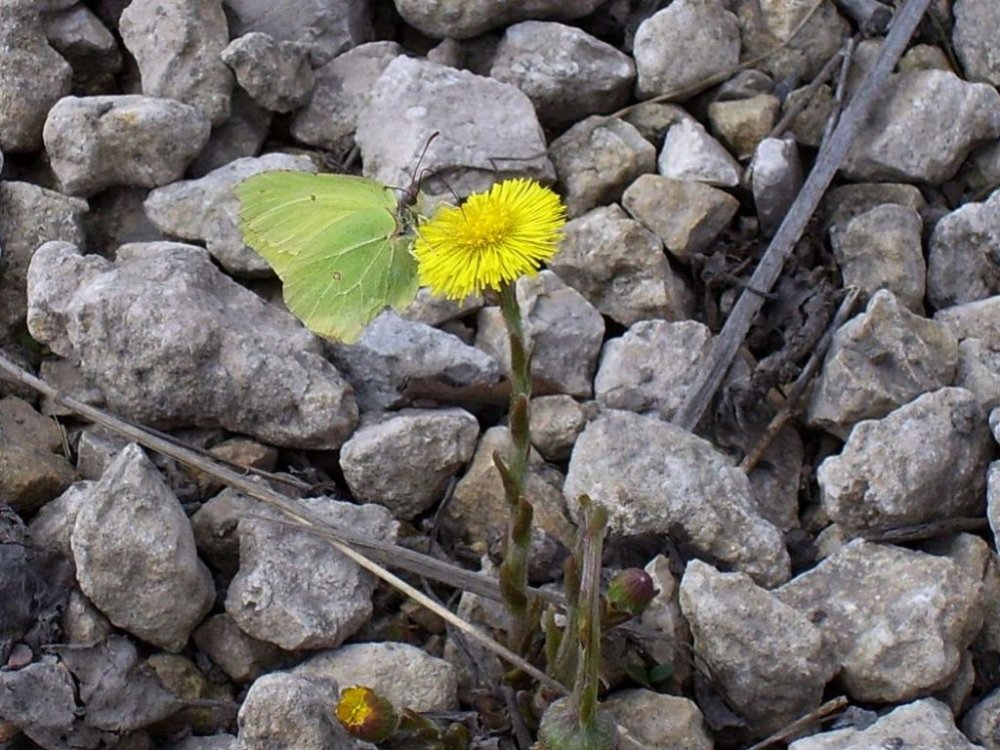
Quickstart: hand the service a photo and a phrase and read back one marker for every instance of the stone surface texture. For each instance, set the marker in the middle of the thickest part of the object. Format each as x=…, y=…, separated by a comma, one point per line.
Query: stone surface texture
x=187, y=362
x=896, y=620
x=654, y=478
x=923, y=462
x=135, y=554
x=177, y=47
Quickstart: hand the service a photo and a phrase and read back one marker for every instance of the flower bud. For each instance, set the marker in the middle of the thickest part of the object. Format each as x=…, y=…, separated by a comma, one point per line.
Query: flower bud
x=631, y=591
x=366, y=714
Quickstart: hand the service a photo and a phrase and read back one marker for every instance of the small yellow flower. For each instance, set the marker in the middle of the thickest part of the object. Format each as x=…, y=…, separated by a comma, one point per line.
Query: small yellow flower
x=366, y=714
x=493, y=239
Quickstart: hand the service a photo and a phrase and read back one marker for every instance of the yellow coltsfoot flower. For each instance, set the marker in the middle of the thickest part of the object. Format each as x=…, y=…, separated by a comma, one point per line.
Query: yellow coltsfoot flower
x=491, y=240
x=366, y=714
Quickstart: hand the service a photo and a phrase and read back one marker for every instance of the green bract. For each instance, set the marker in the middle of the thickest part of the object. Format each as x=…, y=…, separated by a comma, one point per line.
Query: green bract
x=337, y=243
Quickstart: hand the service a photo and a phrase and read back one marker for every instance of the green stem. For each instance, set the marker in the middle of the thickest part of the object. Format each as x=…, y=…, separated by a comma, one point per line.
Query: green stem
x=514, y=568
x=589, y=603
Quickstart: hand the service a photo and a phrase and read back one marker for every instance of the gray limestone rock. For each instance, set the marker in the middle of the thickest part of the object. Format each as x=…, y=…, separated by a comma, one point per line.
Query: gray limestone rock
x=282, y=711
x=487, y=130
x=201, y=349
x=658, y=720
x=341, y=92
x=882, y=249
x=897, y=621
x=767, y=658
x=567, y=73
x=923, y=462
x=742, y=124
x=292, y=588
x=926, y=724
x=176, y=46
x=963, y=259
x=98, y=142
x=41, y=699
x=243, y=134
x=655, y=478
x=981, y=173
x=242, y=657
x=33, y=77
x=974, y=320
x=679, y=47
x=653, y=119
x=407, y=676
x=651, y=368
x=993, y=498
x=981, y=723
x=33, y=470
x=775, y=179
x=80, y=37
x=462, y=19
x=326, y=29
x=596, y=159
x=846, y=202
x=135, y=554
x=83, y=623
x=878, y=361
x=922, y=129
x=555, y=423
x=276, y=74
x=563, y=331
x=797, y=47
x=620, y=267
x=690, y=153
x=405, y=460
x=687, y=216
x=53, y=524
x=809, y=124
x=29, y=217
x=206, y=210
x=393, y=353
x=978, y=371
x=975, y=42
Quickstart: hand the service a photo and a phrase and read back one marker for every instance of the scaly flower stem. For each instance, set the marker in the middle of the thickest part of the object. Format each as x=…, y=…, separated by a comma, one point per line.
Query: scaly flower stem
x=589, y=634
x=514, y=568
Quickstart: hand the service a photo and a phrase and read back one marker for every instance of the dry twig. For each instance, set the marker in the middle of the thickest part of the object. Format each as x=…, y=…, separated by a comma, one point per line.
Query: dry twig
x=828, y=161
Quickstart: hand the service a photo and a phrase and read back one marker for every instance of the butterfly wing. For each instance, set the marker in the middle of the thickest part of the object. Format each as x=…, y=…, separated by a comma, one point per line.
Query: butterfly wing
x=333, y=241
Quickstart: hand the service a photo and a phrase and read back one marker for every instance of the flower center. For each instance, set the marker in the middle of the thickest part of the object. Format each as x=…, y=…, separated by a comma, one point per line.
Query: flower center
x=488, y=229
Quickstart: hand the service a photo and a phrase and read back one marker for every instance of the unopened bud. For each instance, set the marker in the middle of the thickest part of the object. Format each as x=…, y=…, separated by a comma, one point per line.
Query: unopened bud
x=631, y=591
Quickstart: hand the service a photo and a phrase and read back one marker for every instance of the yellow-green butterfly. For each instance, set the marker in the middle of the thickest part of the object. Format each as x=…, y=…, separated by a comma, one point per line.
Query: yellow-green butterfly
x=340, y=245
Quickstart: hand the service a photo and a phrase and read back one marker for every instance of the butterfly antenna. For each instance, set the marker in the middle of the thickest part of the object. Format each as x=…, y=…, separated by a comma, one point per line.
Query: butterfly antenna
x=418, y=173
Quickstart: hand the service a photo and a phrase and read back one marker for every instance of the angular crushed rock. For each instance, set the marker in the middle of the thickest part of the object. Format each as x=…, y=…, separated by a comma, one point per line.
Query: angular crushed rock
x=405, y=460
x=135, y=554
x=170, y=340
x=769, y=659
x=408, y=676
x=896, y=621
x=97, y=142
x=923, y=462
x=656, y=478
x=292, y=588
x=879, y=361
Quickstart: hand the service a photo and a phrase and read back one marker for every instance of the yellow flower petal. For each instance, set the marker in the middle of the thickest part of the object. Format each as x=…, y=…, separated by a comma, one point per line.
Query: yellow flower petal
x=366, y=714
x=493, y=239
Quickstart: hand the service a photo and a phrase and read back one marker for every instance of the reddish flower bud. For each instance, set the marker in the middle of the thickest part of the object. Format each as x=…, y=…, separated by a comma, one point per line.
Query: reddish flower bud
x=631, y=591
